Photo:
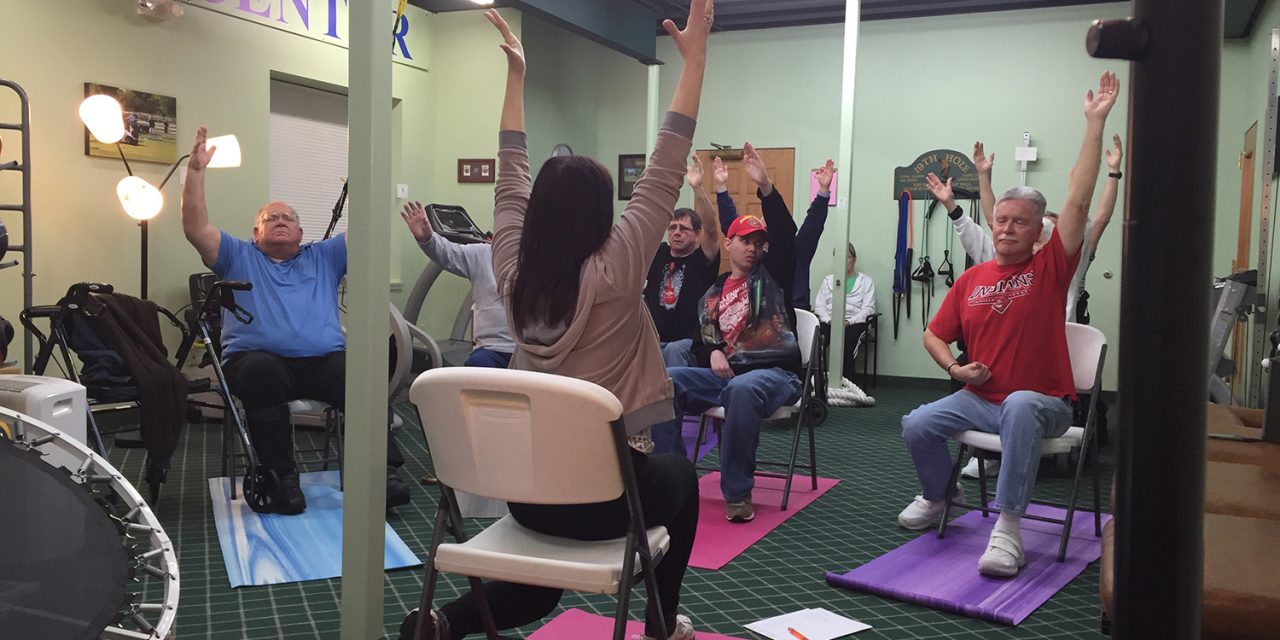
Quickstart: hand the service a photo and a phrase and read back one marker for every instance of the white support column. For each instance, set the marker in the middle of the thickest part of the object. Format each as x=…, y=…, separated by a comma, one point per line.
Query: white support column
x=844, y=187
x=369, y=236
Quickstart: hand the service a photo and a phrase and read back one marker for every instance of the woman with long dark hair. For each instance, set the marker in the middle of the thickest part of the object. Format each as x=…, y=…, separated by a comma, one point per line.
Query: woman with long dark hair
x=572, y=280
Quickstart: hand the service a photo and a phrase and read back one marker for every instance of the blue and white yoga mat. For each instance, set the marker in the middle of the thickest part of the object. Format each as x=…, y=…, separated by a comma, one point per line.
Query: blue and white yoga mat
x=261, y=549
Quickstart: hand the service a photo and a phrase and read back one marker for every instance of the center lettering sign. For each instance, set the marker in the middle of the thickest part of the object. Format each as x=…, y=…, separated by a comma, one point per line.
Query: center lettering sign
x=326, y=21
x=946, y=163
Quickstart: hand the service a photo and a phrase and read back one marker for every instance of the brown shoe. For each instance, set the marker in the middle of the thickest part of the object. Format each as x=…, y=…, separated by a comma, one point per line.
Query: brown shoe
x=740, y=511
x=429, y=478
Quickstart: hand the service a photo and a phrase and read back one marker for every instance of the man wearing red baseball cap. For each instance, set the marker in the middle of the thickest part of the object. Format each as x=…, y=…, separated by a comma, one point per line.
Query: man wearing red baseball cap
x=748, y=357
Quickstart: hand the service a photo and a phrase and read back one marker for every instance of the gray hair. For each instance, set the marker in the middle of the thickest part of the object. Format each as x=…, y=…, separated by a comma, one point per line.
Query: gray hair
x=852, y=253
x=1025, y=194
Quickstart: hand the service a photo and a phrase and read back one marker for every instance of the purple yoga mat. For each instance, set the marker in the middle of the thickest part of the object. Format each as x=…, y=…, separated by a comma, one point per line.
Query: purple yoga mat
x=943, y=574
x=689, y=432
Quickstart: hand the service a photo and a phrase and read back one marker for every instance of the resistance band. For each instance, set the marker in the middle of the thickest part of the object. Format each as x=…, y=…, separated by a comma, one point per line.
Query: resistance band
x=902, y=259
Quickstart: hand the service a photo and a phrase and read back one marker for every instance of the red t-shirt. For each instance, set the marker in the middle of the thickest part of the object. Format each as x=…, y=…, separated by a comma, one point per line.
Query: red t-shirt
x=734, y=305
x=1011, y=319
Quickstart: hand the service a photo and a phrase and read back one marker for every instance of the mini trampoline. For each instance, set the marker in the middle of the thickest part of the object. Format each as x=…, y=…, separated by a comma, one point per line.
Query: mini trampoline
x=83, y=555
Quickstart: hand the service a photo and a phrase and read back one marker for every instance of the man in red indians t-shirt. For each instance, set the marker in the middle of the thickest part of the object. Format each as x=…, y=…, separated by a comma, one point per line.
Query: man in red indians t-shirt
x=1018, y=382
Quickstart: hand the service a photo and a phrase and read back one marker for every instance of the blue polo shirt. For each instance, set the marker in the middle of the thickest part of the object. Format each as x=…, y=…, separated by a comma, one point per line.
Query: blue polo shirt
x=294, y=303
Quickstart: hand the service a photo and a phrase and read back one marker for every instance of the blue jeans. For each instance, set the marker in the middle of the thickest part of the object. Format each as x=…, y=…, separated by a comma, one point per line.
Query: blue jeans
x=483, y=357
x=747, y=399
x=678, y=353
x=1022, y=420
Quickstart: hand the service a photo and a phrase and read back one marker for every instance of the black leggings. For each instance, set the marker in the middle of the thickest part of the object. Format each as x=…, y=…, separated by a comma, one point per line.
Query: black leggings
x=852, y=333
x=668, y=496
x=265, y=383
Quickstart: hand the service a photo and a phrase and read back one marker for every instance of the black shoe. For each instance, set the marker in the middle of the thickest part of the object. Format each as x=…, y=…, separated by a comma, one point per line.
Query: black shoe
x=289, y=500
x=397, y=490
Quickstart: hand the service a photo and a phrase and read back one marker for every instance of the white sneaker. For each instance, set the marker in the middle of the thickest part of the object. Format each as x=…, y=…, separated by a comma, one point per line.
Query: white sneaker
x=683, y=630
x=971, y=470
x=922, y=514
x=1003, y=556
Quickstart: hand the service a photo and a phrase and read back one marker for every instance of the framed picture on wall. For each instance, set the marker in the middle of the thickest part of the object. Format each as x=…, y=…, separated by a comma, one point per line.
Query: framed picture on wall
x=476, y=170
x=630, y=166
x=150, y=126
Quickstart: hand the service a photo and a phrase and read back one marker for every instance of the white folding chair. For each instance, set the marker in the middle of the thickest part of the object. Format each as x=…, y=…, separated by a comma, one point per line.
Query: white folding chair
x=532, y=438
x=810, y=342
x=1088, y=350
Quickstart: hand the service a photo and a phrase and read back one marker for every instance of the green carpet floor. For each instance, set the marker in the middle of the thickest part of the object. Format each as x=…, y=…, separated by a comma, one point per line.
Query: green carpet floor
x=852, y=524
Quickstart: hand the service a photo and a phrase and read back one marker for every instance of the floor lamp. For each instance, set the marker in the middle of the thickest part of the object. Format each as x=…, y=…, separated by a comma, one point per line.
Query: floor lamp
x=141, y=200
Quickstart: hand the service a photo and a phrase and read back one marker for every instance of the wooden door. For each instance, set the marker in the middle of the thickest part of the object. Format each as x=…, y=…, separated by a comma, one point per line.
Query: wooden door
x=781, y=164
x=1244, y=239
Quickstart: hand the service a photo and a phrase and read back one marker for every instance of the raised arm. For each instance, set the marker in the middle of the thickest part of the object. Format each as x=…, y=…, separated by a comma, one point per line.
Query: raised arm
x=511, y=194
x=977, y=244
x=709, y=235
x=195, y=213
x=982, y=162
x=1107, y=204
x=728, y=211
x=692, y=44
x=637, y=233
x=449, y=255
x=1084, y=175
x=756, y=170
x=513, y=103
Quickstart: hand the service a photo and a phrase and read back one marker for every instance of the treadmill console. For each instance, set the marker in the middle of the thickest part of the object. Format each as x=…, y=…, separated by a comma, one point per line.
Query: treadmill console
x=454, y=224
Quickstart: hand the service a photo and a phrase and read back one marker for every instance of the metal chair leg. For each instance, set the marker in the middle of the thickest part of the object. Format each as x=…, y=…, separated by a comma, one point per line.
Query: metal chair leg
x=698, y=441
x=982, y=482
x=950, y=494
x=624, y=587
x=791, y=465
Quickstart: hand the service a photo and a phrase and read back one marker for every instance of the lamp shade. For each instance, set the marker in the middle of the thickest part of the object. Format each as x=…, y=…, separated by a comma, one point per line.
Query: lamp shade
x=139, y=199
x=104, y=118
x=227, y=153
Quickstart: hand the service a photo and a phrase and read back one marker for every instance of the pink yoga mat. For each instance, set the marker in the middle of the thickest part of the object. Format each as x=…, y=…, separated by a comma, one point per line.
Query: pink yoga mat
x=576, y=624
x=943, y=574
x=720, y=541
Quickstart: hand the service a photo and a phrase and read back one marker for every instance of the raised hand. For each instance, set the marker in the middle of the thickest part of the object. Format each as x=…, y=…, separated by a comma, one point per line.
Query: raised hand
x=755, y=168
x=826, y=173
x=510, y=43
x=940, y=190
x=981, y=161
x=693, y=173
x=692, y=40
x=719, y=174
x=1115, y=153
x=415, y=215
x=1097, y=106
x=199, y=155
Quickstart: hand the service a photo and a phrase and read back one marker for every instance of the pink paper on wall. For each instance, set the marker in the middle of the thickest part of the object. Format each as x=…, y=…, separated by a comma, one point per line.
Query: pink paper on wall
x=813, y=186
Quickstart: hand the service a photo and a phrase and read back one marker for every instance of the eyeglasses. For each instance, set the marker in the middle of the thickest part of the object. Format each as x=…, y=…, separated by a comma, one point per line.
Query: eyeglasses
x=679, y=227
x=279, y=215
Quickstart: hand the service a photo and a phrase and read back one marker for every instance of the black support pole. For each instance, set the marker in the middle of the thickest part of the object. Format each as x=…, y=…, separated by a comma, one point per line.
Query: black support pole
x=1175, y=46
x=143, y=257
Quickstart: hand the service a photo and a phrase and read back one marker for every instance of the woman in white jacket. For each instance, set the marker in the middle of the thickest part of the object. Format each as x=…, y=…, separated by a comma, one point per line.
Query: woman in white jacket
x=859, y=303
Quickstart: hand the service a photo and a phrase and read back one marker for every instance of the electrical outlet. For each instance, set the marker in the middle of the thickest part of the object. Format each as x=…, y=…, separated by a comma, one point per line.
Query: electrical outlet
x=402, y=191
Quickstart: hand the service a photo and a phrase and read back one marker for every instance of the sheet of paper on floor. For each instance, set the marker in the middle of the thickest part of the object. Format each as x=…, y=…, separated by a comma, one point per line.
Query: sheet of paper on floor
x=813, y=624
